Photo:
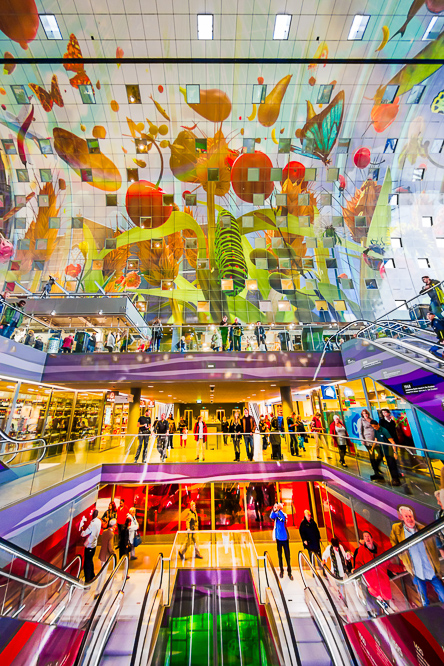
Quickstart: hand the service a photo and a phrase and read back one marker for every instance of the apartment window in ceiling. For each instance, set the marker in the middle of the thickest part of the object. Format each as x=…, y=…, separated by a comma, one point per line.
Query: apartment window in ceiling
x=284, y=146
x=190, y=199
x=389, y=94
x=396, y=242
x=133, y=94
x=370, y=283
x=86, y=175
x=259, y=93
x=415, y=94
x=423, y=263
x=427, y=221
x=358, y=27
x=437, y=146
x=50, y=26
x=54, y=223
x=390, y=145
x=87, y=93
x=282, y=25
x=9, y=147
x=22, y=175
x=193, y=94
x=132, y=175
x=205, y=26
x=343, y=146
x=141, y=146
x=200, y=145
x=45, y=146
x=324, y=94
x=20, y=93
x=440, y=242
x=111, y=199
x=45, y=175
x=389, y=263
x=434, y=28
x=418, y=174
x=393, y=199
x=248, y=145
x=275, y=174
x=401, y=305
x=93, y=146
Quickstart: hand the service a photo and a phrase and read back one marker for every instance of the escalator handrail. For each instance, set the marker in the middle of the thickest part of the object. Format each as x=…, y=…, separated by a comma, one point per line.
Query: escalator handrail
x=143, y=608
x=284, y=603
x=17, y=442
x=301, y=558
x=92, y=617
x=22, y=554
x=420, y=535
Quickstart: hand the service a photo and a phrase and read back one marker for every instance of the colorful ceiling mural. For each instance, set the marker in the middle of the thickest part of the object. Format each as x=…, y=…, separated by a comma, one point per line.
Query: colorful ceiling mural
x=278, y=192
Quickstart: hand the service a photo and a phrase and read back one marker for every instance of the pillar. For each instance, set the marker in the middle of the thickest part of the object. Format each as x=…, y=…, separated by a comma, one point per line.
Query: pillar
x=287, y=403
x=134, y=411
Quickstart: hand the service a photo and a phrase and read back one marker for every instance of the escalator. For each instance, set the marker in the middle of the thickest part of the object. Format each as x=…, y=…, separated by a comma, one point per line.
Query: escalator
x=19, y=457
x=376, y=616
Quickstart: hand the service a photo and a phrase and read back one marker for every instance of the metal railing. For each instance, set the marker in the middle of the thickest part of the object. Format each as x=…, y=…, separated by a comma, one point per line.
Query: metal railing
x=143, y=647
x=17, y=442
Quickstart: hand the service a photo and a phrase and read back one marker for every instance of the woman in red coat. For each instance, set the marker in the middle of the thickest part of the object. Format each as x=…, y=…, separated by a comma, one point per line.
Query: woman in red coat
x=377, y=580
x=200, y=435
x=339, y=434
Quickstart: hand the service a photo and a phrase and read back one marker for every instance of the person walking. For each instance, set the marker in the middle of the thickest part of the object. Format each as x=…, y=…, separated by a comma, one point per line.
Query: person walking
x=435, y=293
x=248, y=428
x=339, y=435
x=317, y=429
x=390, y=452
x=183, y=429
x=237, y=334
x=161, y=428
x=172, y=430
x=421, y=561
x=236, y=430
x=12, y=318
x=310, y=535
x=47, y=288
x=300, y=433
x=157, y=335
x=259, y=332
x=121, y=516
x=192, y=528
x=92, y=534
x=144, y=423
x=132, y=528
x=282, y=538
x=110, y=342
x=200, y=435
x=92, y=342
x=225, y=427
x=223, y=327
x=367, y=437
x=291, y=427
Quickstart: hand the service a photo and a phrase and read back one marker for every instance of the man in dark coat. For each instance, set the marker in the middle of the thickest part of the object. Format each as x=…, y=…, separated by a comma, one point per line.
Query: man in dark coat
x=310, y=535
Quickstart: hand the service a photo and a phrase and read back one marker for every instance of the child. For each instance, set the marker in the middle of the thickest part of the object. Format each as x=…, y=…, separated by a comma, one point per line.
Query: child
x=184, y=437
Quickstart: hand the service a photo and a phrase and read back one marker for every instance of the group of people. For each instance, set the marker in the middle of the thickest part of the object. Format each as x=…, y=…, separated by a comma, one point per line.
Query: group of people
x=381, y=440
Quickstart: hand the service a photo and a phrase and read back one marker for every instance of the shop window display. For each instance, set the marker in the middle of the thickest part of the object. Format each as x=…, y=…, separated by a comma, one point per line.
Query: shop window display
x=87, y=415
x=260, y=501
x=7, y=390
x=59, y=417
x=229, y=506
x=201, y=495
x=30, y=410
x=162, y=509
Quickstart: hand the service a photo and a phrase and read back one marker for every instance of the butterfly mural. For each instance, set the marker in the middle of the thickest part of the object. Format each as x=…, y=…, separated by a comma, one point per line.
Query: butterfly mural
x=48, y=99
x=319, y=134
x=73, y=51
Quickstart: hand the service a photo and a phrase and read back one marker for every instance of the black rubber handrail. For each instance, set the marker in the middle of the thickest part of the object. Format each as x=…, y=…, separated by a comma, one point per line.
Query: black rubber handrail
x=144, y=603
x=12, y=440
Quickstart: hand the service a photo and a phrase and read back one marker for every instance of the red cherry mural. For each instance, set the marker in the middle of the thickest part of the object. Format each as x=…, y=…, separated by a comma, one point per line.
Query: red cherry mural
x=294, y=171
x=361, y=158
x=143, y=199
x=245, y=188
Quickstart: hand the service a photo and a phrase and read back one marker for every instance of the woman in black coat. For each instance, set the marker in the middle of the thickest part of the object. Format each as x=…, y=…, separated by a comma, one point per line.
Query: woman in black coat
x=124, y=542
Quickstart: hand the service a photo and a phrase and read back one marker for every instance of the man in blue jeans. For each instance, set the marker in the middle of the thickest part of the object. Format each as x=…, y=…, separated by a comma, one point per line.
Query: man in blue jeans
x=282, y=537
x=248, y=428
x=422, y=560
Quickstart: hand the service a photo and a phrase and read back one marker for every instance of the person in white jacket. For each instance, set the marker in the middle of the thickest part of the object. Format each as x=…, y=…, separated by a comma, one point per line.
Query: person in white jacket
x=132, y=530
x=335, y=557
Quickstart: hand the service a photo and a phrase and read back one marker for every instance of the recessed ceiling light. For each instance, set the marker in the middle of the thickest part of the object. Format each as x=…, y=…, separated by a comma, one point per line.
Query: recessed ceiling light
x=205, y=26
x=262, y=390
x=50, y=26
x=272, y=384
x=282, y=26
x=428, y=33
x=358, y=26
x=160, y=391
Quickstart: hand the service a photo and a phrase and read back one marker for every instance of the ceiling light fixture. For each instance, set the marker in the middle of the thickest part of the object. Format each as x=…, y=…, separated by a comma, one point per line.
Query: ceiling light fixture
x=428, y=33
x=358, y=27
x=282, y=26
x=205, y=26
x=50, y=26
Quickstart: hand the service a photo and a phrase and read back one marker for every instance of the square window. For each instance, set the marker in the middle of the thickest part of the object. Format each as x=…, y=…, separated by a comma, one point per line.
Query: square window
x=331, y=263
x=86, y=175
x=213, y=175
x=396, y=242
x=141, y=146
x=45, y=175
x=275, y=174
x=373, y=174
x=440, y=242
x=389, y=263
x=393, y=199
x=111, y=199
x=45, y=146
x=402, y=305
x=167, y=199
x=87, y=93
x=132, y=175
x=370, y=283
x=324, y=94
x=259, y=93
x=437, y=146
x=343, y=146
x=285, y=263
x=141, y=306
x=310, y=175
x=251, y=285
x=262, y=264
x=308, y=262
x=146, y=222
x=248, y=145
x=20, y=200
x=203, y=306
x=284, y=146
x=418, y=174
x=156, y=243
x=281, y=199
x=41, y=244
x=22, y=175
x=281, y=221
x=360, y=221
x=110, y=243
x=325, y=199
x=339, y=306
x=203, y=264
x=415, y=94
x=20, y=223
x=20, y=94
x=390, y=145
x=427, y=221
x=311, y=242
x=277, y=243
x=133, y=94
x=190, y=199
x=423, y=263
x=332, y=174
x=77, y=223
x=54, y=223
x=321, y=305
x=265, y=306
x=15, y=265
x=304, y=199
x=166, y=285
x=346, y=283
x=43, y=200
x=9, y=147
x=132, y=265
x=389, y=95
x=97, y=264
x=258, y=199
x=328, y=242
x=253, y=175
x=193, y=94
x=338, y=221
x=200, y=145
x=24, y=244
x=260, y=243
x=93, y=146
x=227, y=285
x=38, y=265
x=247, y=222
x=284, y=306
x=225, y=221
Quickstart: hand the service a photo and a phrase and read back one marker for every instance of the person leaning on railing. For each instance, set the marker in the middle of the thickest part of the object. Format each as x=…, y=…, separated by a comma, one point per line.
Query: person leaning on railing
x=367, y=437
x=435, y=294
x=12, y=318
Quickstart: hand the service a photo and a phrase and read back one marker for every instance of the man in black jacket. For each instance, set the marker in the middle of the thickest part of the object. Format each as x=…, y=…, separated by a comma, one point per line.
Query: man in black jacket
x=248, y=428
x=144, y=424
x=437, y=325
x=310, y=535
x=259, y=332
x=162, y=428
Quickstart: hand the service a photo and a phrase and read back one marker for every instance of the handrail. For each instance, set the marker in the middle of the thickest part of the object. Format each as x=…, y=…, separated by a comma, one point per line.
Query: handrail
x=22, y=312
x=144, y=603
x=284, y=604
x=7, y=438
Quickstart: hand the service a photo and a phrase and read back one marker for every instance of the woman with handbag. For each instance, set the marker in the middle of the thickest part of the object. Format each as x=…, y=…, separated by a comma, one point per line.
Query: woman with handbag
x=133, y=527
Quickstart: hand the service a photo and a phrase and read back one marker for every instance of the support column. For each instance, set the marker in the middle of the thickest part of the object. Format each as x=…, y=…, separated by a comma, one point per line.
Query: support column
x=287, y=403
x=134, y=411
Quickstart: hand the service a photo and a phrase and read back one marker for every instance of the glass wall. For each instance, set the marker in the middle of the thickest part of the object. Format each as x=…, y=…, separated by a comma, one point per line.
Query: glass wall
x=261, y=498
x=201, y=495
x=7, y=390
x=87, y=415
x=162, y=509
x=229, y=506
x=59, y=416
x=30, y=410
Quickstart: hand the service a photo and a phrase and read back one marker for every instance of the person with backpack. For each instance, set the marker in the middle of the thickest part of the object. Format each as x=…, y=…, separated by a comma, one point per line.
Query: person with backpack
x=282, y=538
x=237, y=332
x=12, y=318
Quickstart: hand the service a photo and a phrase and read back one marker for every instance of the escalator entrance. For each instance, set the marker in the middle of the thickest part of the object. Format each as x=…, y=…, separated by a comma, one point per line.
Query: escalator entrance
x=214, y=618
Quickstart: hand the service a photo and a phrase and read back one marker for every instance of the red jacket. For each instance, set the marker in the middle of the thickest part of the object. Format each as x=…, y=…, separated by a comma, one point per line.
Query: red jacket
x=377, y=580
x=196, y=431
x=333, y=428
x=316, y=424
